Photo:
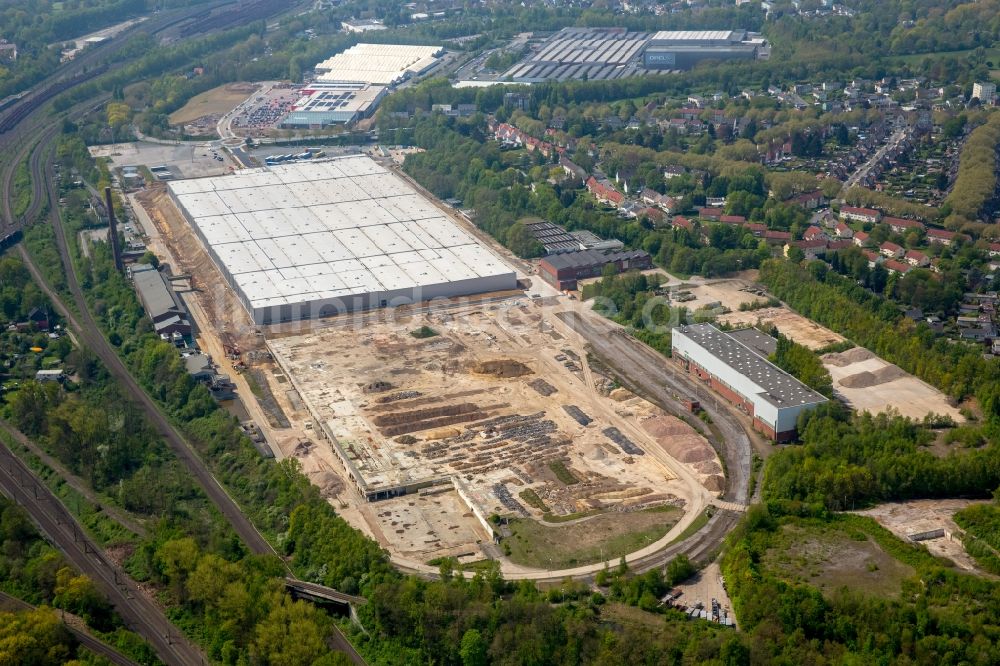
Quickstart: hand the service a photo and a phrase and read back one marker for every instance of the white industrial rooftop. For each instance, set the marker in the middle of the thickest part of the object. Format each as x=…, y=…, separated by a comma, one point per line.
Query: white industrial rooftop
x=331, y=97
x=699, y=35
x=381, y=64
x=320, y=230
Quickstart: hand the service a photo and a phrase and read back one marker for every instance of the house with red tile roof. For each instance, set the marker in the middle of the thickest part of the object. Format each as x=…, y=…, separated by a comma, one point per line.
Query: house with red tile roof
x=710, y=213
x=890, y=250
x=604, y=192
x=944, y=237
x=916, y=258
x=861, y=238
x=843, y=231
x=682, y=222
x=813, y=233
x=894, y=266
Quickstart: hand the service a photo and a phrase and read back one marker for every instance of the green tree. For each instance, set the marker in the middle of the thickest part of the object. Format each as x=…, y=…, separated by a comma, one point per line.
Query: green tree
x=473, y=649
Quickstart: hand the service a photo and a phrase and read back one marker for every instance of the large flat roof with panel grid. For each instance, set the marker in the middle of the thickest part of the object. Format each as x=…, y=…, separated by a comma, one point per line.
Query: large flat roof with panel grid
x=311, y=239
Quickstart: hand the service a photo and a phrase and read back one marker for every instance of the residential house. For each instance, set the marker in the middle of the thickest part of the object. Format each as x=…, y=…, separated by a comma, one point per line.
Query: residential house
x=777, y=237
x=572, y=169
x=861, y=238
x=843, y=231
x=809, y=200
x=890, y=250
x=737, y=220
x=943, y=236
x=894, y=266
x=672, y=171
x=860, y=214
x=605, y=192
x=710, y=214
x=811, y=248
x=873, y=258
x=814, y=233
x=917, y=258
x=902, y=226
x=682, y=222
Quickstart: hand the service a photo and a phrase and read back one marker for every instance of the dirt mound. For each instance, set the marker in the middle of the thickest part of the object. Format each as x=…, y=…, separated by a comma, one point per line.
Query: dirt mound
x=707, y=467
x=715, y=483
x=621, y=395
x=678, y=439
x=503, y=368
x=377, y=386
x=853, y=355
x=441, y=433
x=330, y=485
x=867, y=379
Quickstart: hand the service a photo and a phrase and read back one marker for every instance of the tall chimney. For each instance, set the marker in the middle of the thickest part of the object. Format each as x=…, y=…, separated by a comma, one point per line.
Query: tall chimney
x=113, y=230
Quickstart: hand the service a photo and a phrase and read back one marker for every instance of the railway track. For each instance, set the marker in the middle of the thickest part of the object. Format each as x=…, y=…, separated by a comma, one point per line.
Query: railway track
x=59, y=526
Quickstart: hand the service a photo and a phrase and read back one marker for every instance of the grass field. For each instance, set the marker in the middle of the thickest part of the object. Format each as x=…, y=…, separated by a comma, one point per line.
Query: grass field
x=607, y=536
x=214, y=102
x=834, y=556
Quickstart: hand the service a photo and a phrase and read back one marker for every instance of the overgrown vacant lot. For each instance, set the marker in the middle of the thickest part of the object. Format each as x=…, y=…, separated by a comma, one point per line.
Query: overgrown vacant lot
x=608, y=535
x=835, y=556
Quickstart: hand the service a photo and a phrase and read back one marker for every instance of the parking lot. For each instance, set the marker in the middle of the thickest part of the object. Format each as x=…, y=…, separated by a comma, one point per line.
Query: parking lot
x=259, y=116
x=185, y=160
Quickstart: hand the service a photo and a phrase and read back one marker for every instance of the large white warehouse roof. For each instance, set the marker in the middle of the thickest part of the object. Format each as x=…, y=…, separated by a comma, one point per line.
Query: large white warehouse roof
x=380, y=64
x=316, y=238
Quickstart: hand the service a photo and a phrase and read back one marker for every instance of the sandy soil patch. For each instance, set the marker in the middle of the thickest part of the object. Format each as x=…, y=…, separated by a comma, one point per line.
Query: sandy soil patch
x=914, y=517
x=869, y=383
x=214, y=102
x=790, y=324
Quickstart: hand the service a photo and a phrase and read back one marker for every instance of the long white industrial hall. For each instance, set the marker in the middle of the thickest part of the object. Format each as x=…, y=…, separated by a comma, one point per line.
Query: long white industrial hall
x=315, y=239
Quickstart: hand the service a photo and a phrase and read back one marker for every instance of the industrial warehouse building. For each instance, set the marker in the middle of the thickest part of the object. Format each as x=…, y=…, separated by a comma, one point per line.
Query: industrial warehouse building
x=582, y=53
x=683, y=49
x=315, y=239
x=735, y=367
x=161, y=303
x=563, y=270
x=614, y=53
x=378, y=64
x=325, y=104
